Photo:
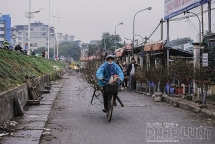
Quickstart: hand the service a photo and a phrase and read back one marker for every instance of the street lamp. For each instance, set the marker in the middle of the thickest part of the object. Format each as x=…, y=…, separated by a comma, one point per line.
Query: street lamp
x=149, y=8
x=57, y=32
x=30, y=15
x=143, y=42
x=115, y=32
x=196, y=53
x=48, y=30
x=130, y=39
x=194, y=50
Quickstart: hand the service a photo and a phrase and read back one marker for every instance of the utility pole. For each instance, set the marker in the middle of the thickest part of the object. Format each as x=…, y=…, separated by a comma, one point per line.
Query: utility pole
x=209, y=17
x=167, y=45
x=104, y=45
x=161, y=28
x=202, y=20
x=29, y=31
x=57, y=36
x=49, y=30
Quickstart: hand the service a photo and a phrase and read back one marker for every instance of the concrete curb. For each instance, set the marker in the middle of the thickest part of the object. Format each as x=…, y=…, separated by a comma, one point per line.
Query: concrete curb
x=31, y=126
x=189, y=105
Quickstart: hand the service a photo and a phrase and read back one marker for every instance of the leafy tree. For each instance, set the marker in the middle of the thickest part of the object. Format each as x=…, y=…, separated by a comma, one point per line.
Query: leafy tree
x=40, y=50
x=109, y=40
x=66, y=49
x=70, y=49
x=92, y=48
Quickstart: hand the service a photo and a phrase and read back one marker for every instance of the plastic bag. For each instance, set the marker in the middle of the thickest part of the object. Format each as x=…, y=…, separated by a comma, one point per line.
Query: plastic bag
x=111, y=79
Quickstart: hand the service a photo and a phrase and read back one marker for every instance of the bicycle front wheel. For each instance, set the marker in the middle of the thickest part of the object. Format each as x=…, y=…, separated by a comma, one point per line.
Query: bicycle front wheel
x=110, y=111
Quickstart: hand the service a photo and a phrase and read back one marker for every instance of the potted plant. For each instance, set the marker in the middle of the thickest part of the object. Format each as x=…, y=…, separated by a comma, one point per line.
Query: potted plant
x=203, y=78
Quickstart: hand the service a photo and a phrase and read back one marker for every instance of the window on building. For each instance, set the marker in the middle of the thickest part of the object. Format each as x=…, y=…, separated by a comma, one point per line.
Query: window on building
x=1, y=29
x=19, y=38
x=32, y=29
x=26, y=28
x=1, y=22
x=26, y=39
x=43, y=29
x=35, y=44
x=20, y=27
x=19, y=33
x=26, y=34
x=43, y=34
x=1, y=36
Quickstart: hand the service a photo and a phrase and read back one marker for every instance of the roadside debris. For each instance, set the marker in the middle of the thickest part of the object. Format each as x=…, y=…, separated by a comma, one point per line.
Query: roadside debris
x=7, y=127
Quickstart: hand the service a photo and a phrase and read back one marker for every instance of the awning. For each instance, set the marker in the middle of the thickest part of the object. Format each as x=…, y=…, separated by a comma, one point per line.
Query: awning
x=154, y=46
x=119, y=54
x=87, y=58
x=118, y=50
x=128, y=47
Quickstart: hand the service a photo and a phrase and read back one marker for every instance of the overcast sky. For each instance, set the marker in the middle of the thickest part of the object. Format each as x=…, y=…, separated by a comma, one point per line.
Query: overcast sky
x=88, y=19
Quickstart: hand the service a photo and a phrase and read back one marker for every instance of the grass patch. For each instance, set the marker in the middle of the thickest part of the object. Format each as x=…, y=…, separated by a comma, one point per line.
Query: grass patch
x=14, y=66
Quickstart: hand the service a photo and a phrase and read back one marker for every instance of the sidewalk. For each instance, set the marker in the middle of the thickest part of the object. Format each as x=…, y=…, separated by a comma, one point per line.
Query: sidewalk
x=191, y=105
x=31, y=125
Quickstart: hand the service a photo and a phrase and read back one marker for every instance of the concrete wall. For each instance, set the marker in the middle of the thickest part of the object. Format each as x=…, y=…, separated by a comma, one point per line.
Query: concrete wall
x=6, y=101
x=20, y=92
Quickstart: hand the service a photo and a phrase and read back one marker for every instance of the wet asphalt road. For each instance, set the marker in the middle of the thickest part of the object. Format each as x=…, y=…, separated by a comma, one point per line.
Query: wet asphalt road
x=73, y=121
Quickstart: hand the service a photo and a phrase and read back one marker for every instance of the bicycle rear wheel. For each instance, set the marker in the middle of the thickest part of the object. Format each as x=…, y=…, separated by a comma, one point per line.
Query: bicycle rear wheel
x=110, y=111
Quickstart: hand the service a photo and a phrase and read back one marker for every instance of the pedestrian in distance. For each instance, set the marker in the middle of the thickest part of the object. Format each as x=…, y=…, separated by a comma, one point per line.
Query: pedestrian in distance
x=125, y=82
x=33, y=53
x=18, y=48
x=10, y=47
x=130, y=73
x=117, y=62
x=6, y=44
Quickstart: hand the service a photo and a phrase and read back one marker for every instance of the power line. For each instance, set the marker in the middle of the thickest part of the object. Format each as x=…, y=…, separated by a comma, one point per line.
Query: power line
x=181, y=18
x=196, y=10
x=192, y=25
x=154, y=30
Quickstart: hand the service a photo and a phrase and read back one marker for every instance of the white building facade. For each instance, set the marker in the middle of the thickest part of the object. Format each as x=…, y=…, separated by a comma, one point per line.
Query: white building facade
x=38, y=35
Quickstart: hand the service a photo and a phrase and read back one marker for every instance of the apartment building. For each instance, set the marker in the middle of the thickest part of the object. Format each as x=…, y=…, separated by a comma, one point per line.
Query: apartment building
x=38, y=35
x=66, y=38
x=5, y=28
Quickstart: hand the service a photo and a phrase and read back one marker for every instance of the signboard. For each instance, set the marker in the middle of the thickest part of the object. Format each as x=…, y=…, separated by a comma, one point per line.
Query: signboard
x=175, y=7
x=205, y=59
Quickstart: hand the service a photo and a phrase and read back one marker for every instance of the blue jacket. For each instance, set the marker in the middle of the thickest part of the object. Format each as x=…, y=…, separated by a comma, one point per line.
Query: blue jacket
x=106, y=71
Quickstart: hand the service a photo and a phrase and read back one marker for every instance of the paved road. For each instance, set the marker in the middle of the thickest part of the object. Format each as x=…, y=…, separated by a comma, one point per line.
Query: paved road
x=72, y=121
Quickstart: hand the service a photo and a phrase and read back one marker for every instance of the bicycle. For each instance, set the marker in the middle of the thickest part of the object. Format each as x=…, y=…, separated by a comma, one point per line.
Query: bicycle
x=112, y=90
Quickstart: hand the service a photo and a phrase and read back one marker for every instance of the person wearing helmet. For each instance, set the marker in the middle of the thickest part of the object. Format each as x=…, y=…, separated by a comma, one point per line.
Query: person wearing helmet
x=104, y=72
x=6, y=44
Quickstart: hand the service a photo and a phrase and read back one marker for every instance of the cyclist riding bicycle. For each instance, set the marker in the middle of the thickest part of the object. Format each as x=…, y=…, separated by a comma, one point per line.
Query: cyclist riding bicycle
x=104, y=73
